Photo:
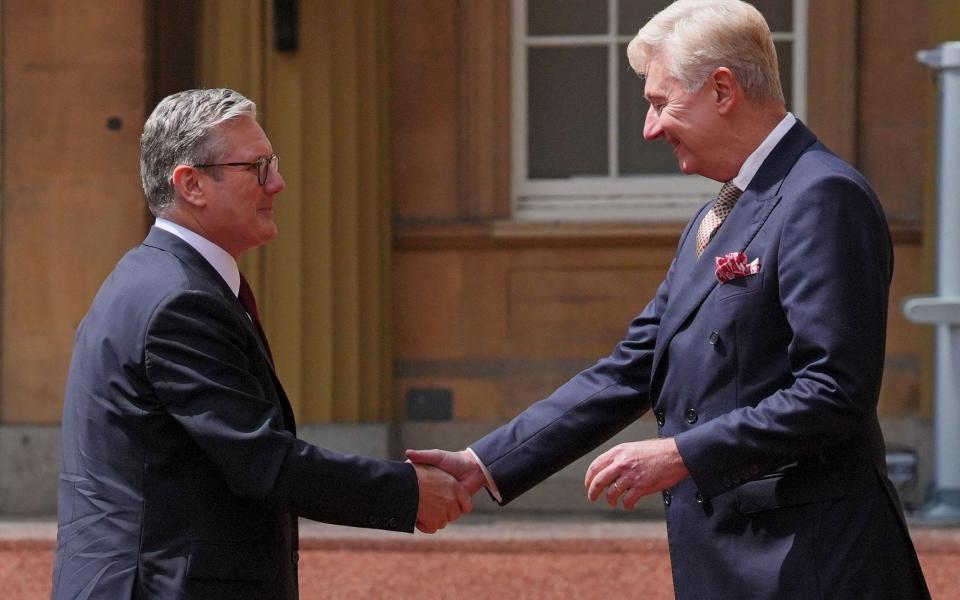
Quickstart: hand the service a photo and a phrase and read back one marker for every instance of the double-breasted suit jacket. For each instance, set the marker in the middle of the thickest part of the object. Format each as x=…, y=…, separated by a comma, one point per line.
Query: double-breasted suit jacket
x=768, y=384
x=182, y=476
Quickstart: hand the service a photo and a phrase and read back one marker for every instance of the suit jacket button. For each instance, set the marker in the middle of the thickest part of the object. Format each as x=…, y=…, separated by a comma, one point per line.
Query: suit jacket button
x=691, y=416
x=393, y=523
x=699, y=498
x=659, y=415
x=714, y=338
x=667, y=498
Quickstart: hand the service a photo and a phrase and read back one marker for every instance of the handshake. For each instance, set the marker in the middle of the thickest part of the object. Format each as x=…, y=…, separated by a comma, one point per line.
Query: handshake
x=625, y=473
x=448, y=481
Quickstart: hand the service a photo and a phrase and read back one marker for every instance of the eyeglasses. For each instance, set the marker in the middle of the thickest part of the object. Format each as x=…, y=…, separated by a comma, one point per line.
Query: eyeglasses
x=263, y=165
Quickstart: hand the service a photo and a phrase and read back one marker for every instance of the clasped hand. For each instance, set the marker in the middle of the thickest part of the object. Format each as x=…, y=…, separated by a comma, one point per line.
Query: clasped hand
x=447, y=482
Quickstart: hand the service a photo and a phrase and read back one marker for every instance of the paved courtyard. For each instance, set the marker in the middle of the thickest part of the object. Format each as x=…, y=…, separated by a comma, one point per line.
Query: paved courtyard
x=480, y=557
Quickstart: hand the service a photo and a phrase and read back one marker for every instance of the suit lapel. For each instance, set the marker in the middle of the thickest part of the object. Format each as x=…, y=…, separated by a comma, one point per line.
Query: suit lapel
x=187, y=254
x=164, y=240
x=696, y=277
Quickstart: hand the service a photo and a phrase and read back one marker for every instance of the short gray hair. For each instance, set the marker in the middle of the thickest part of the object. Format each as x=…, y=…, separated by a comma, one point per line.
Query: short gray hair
x=696, y=37
x=181, y=131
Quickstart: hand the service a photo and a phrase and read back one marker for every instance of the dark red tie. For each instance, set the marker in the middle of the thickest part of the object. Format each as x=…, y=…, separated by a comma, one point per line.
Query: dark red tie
x=246, y=298
x=245, y=295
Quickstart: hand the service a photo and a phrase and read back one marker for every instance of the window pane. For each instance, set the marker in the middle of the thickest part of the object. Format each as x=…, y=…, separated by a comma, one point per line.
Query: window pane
x=785, y=60
x=638, y=156
x=567, y=112
x=634, y=14
x=778, y=13
x=566, y=17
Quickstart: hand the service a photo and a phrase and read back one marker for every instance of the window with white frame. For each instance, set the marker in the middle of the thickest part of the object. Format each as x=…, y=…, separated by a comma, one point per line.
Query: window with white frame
x=578, y=111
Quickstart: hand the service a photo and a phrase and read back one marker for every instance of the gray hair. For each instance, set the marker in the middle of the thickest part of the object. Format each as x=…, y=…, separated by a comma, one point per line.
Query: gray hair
x=181, y=130
x=696, y=37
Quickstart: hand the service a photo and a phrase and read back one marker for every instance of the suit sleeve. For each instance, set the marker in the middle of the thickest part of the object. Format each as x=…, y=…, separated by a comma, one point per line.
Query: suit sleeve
x=834, y=269
x=581, y=414
x=196, y=356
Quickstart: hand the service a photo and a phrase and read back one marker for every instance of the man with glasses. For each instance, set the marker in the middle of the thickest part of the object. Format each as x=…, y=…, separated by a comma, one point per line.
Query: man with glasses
x=182, y=476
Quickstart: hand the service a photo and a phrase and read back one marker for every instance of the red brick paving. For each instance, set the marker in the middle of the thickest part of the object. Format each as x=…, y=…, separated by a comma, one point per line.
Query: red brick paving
x=503, y=559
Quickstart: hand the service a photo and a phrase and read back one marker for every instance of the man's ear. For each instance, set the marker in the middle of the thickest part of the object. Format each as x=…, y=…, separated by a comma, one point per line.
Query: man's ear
x=725, y=88
x=187, y=185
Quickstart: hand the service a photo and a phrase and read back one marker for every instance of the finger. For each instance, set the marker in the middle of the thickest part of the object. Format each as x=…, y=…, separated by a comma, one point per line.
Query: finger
x=425, y=528
x=618, y=489
x=425, y=457
x=602, y=481
x=464, y=500
x=598, y=464
x=453, y=509
x=631, y=498
x=436, y=523
x=615, y=491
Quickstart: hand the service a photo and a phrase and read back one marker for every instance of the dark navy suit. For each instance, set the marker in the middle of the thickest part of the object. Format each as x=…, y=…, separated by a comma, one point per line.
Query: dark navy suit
x=769, y=385
x=182, y=476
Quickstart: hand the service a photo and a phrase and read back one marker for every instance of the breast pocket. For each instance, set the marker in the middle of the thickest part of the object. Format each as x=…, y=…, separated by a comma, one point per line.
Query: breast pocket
x=740, y=286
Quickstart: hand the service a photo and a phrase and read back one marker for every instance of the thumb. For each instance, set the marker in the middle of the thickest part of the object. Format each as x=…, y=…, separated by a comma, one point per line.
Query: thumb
x=425, y=457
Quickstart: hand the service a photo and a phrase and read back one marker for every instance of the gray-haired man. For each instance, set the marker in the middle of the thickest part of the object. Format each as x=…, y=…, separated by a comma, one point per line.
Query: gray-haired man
x=182, y=475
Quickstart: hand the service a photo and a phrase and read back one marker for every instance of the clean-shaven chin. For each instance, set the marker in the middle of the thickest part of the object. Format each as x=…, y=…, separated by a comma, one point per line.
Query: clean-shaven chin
x=683, y=162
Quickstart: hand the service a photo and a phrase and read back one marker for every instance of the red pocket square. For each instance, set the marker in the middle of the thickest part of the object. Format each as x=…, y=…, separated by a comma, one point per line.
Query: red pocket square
x=734, y=264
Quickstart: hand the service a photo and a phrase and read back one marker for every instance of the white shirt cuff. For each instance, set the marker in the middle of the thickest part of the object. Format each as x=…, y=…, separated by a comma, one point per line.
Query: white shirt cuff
x=491, y=485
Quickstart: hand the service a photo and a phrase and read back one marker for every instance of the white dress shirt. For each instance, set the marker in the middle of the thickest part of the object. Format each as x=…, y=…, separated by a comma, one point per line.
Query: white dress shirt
x=756, y=158
x=218, y=258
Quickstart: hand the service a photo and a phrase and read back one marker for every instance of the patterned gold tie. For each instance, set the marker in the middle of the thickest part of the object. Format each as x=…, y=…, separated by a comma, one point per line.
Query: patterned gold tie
x=718, y=212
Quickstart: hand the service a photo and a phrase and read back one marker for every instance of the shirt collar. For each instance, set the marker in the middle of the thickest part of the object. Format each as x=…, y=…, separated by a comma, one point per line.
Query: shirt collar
x=755, y=160
x=218, y=258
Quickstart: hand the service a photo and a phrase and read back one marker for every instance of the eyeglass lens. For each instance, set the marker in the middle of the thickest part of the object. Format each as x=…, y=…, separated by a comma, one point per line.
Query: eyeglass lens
x=263, y=167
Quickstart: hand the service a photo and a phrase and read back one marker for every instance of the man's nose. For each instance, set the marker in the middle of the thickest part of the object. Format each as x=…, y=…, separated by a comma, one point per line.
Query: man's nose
x=274, y=183
x=651, y=126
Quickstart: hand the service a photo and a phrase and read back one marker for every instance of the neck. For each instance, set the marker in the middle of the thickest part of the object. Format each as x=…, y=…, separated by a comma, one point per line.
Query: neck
x=186, y=218
x=749, y=128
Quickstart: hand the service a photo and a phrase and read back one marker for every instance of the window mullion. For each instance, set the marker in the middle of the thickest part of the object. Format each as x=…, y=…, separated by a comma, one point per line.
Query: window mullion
x=520, y=120
x=799, y=47
x=613, y=88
